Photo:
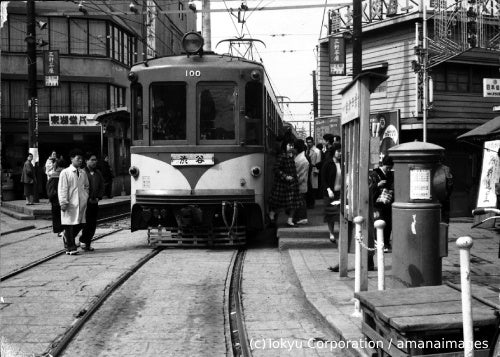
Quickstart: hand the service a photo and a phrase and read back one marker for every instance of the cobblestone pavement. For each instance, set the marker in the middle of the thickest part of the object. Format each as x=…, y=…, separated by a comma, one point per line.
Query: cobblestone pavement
x=39, y=304
x=172, y=306
x=278, y=319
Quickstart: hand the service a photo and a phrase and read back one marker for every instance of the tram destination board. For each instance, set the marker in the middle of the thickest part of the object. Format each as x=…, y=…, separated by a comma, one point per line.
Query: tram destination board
x=192, y=159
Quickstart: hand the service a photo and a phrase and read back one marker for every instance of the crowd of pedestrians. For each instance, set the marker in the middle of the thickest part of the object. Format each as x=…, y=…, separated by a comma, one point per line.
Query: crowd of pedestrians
x=74, y=193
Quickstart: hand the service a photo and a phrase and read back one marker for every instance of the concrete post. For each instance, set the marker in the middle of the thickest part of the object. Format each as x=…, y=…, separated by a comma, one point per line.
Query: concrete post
x=379, y=226
x=465, y=244
x=358, y=221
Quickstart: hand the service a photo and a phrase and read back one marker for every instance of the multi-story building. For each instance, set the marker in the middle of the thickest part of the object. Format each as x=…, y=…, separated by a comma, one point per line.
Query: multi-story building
x=463, y=48
x=97, y=42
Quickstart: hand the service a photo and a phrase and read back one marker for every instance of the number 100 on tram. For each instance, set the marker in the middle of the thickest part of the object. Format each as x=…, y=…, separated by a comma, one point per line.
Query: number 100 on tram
x=203, y=129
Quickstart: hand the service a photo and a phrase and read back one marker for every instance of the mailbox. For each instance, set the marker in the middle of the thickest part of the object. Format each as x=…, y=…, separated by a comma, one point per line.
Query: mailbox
x=416, y=215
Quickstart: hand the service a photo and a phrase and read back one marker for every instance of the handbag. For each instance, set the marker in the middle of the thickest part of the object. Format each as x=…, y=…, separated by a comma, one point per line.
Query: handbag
x=386, y=197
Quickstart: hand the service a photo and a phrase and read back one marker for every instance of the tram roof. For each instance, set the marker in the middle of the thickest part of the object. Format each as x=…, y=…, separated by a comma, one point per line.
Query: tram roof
x=207, y=60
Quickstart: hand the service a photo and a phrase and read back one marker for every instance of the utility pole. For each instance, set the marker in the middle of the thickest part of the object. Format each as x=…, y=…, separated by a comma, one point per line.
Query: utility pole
x=144, y=30
x=32, y=90
x=357, y=61
x=315, y=96
x=206, y=26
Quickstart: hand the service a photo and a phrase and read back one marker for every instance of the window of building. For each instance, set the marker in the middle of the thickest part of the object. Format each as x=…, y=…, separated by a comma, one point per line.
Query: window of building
x=78, y=41
x=59, y=99
x=98, y=97
x=461, y=78
x=116, y=96
x=253, y=114
x=80, y=98
x=18, y=99
x=5, y=99
x=58, y=34
x=17, y=32
x=168, y=111
x=97, y=38
x=136, y=111
x=216, y=105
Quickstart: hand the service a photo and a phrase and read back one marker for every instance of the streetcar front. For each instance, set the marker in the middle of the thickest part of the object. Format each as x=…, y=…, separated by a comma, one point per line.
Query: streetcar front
x=198, y=160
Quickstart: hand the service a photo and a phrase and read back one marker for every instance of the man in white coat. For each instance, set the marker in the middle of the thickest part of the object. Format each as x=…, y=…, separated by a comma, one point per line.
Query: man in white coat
x=73, y=191
x=314, y=156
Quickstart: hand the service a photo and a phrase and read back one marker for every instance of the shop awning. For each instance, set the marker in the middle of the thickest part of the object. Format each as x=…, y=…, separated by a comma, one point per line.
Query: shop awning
x=488, y=131
x=115, y=113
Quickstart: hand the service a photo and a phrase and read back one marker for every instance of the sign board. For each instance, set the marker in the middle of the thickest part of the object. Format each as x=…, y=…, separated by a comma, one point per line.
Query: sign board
x=192, y=159
x=51, y=68
x=490, y=174
x=151, y=14
x=384, y=134
x=491, y=87
x=72, y=120
x=325, y=125
x=351, y=104
x=337, y=58
x=420, y=184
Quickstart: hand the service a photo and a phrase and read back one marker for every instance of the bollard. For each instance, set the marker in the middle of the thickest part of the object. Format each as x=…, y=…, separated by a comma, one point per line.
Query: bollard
x=358, y=221
x=465, y=244
x=379, y=226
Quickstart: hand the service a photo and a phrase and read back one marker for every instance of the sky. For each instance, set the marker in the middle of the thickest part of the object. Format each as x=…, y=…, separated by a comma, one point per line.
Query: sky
x=290, y=36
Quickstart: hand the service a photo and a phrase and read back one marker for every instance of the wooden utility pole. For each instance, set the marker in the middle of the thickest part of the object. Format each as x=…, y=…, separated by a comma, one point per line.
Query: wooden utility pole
x=206, y=26
x=32, y=90
x=357, y=61
x=315, y=96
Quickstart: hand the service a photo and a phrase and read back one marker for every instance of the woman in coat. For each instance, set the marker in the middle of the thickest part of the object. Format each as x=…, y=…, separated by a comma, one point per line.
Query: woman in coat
x=285, y=193
x=73, y=191
x=331, y=183
x=28, y=179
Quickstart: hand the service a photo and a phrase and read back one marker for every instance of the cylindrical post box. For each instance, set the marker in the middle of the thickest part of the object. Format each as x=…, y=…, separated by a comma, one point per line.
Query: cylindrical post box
x=416, y=214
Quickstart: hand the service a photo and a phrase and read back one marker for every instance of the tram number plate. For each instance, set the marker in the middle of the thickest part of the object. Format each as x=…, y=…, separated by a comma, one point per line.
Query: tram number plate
x=192, y=159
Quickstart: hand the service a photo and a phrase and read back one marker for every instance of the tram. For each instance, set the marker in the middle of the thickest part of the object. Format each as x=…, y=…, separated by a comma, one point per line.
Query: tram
x=204, y=133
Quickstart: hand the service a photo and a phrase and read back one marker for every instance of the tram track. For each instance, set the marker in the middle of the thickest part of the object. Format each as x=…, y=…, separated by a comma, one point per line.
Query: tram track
x=235, y=332
x=49, y=257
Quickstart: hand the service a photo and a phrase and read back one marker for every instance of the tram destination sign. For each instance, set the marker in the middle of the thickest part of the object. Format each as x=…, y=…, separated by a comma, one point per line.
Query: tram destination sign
x=191, y=159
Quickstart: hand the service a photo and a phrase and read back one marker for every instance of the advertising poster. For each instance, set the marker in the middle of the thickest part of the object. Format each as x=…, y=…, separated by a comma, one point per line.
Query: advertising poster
x=490, y=174
x=384, y=134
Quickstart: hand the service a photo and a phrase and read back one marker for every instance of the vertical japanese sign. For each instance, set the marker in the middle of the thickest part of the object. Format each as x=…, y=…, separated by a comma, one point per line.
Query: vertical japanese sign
x=337, y=56
x=490, y=175
x=151, y=29
x=51, y=68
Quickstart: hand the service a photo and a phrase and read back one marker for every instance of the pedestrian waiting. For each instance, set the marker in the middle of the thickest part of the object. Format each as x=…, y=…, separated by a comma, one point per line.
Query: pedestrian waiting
x=57, y=165
x=302, y=167
x=107, y=174
x=96, y=192
x=285, y=192
x=28, y=179
x=331, y=182
x=313, y=154
x=73, y=191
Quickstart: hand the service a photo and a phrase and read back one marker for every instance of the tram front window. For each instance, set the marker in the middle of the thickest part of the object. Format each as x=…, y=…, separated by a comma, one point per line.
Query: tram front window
x=217, y=103
x=168, y=110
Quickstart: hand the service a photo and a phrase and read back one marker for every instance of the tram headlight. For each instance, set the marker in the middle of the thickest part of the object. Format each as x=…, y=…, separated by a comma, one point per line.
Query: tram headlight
x=192, y=43
x=255, y=75
x=133, y=171
x=256, y=171
x=132, y=77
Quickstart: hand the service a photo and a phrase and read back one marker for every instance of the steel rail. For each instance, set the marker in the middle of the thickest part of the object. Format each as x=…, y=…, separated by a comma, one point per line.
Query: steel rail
x=239, y=336
x=60, y=343
x=49, y=257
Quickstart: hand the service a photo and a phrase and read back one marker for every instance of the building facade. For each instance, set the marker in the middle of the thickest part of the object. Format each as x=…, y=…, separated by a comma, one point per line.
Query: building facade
x=96, y=44
x=463, y=48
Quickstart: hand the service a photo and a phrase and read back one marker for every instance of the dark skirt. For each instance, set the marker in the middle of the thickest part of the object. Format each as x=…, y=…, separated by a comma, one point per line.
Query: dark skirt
x=331, y=213
x=56, y=217
x=29, y=189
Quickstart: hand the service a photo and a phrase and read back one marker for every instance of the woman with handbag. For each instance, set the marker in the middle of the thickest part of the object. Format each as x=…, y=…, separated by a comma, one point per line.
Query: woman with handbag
x=382, y=188
x=331, y=184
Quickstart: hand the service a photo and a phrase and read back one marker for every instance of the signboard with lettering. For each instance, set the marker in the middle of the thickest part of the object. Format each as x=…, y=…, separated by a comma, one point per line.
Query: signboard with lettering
x=490, y=174
x=191, y=159
x=337, y=56
x=351, y=104
x=384, y=134
x=420, y=184
x=491, y=87
x=72, y=120
x=325, y=125
x=51, y=68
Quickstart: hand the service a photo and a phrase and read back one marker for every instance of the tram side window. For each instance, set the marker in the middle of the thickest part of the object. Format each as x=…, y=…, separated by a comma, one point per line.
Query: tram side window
x=217, y=103
x=253, y=113
x=168, y=110
x=137, y=111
